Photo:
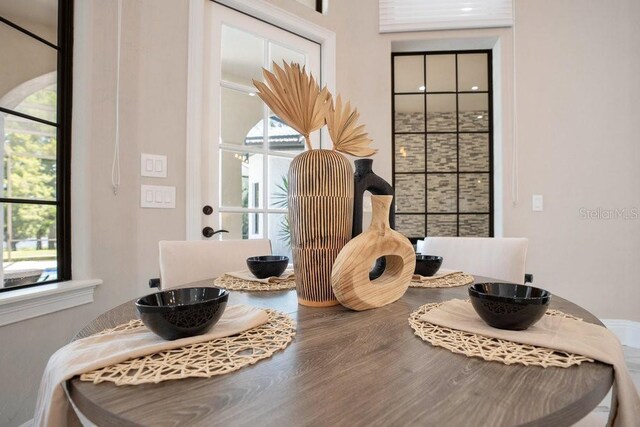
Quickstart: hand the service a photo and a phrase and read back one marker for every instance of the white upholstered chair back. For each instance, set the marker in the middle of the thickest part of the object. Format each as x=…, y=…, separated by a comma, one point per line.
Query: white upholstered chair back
x=499, y=258
x=184, y=262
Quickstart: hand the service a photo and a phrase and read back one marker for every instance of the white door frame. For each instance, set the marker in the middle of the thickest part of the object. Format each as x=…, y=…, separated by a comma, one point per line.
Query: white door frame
x=259, y=9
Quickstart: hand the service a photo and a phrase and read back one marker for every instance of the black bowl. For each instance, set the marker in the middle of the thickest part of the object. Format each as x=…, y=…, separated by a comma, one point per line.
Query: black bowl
x=179, y=313
x=427, y=265
x=267, y=265
x=508, y=305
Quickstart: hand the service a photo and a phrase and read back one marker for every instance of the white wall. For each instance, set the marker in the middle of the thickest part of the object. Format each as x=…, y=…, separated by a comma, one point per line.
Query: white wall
x=113, y=239
x=578, y=101
x=578, y=93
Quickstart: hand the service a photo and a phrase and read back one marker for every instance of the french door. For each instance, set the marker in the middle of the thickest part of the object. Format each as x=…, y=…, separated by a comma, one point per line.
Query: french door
x=246, y=148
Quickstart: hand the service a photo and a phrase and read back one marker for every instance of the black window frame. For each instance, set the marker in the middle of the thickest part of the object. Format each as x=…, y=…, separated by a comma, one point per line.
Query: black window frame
x=426, y=132
x=64, y=48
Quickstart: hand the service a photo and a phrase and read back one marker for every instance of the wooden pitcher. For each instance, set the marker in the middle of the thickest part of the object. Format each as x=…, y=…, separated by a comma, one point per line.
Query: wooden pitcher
x=350, y=276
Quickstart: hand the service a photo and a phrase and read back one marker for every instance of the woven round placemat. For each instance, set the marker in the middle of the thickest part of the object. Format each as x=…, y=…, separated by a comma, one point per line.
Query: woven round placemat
x=232, y=283
x=204, y=360
x=492, y=349
x=448, y=281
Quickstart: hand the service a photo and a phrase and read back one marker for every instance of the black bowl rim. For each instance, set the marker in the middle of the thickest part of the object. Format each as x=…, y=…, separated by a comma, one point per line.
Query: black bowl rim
x=543, y=299
x=422, y=257
x=224, y=296
x=272, y=258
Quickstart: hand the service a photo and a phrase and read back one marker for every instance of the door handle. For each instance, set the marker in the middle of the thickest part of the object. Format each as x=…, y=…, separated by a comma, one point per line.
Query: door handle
x=210, y=232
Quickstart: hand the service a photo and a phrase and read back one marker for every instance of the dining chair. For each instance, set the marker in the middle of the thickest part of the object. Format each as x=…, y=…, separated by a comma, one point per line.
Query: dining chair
x=184, y=262
x=501, y=258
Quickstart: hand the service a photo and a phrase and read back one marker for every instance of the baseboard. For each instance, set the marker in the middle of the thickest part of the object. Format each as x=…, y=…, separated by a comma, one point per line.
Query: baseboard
x=627, y=331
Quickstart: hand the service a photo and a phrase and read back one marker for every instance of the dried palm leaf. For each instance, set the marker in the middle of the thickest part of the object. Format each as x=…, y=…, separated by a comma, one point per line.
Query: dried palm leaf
x=347, y=136
x=295, y=97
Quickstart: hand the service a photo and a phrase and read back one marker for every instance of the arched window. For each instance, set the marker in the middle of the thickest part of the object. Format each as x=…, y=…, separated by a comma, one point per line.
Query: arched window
x=35, y=121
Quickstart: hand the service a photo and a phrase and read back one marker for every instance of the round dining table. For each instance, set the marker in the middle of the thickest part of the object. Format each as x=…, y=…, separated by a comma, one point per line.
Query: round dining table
x=352, y=368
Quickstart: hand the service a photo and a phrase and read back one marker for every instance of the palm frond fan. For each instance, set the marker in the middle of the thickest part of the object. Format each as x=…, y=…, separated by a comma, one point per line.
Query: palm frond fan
x=347, y=135
x=295, y=97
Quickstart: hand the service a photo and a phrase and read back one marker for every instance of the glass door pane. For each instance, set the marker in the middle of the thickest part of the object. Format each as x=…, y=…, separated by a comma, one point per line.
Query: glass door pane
x=408, y=75
x=409, y=114
x=242, y=56
x=280, y=234
x=473, y=72
x=283, y=137
x=242, y=115
x=241, y=175
x=441, y=73
x=278, y=168
x=280, y=54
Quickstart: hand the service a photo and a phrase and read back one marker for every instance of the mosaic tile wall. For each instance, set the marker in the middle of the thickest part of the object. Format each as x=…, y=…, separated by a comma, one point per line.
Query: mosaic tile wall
x=442, y=122
x=474, y=225
x=442, y=188
x=410, y=225
x=441, y=152
x=410, y=191
x=474, y=192
x=441, y=192
x=474, y=152
x=442, y=225
x=410, y=153
x=409, y=122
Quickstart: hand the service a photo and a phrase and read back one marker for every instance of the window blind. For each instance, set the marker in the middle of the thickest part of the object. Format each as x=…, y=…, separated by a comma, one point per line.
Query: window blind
x=421, y=15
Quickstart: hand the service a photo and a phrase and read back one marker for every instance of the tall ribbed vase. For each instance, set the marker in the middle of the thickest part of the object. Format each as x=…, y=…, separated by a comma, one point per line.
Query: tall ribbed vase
x=320, y=218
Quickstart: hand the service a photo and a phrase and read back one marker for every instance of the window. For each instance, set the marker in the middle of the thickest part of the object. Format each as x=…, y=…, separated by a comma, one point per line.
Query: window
x=35, y=124
x=443, y=143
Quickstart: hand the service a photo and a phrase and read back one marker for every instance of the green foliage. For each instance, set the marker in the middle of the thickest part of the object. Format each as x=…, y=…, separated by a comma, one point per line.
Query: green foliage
x=280, y=199
x=284, y=230
x=245, y=203
x=30, y=169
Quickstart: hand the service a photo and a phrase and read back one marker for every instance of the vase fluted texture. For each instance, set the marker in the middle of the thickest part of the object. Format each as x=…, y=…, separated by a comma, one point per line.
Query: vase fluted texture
x=320, y=217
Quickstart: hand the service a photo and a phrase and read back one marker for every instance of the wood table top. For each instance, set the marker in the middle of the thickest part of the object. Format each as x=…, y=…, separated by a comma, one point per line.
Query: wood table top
x=353, y=368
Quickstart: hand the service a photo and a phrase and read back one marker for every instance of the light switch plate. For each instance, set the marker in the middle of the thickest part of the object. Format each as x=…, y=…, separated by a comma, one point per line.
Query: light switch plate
x=153, y=165
x=537, y=203
x=157, y=196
